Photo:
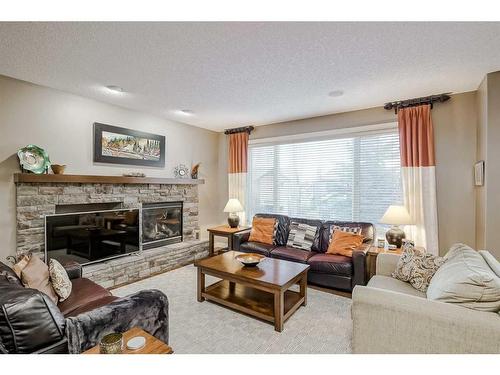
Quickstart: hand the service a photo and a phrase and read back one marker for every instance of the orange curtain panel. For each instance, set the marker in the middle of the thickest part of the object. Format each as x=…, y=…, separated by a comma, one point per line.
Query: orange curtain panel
x=418, y=174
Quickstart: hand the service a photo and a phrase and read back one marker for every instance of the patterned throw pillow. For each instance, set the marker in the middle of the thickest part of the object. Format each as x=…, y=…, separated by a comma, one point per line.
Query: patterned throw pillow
x=60, y=280
x=301, y=235
x=417, y=267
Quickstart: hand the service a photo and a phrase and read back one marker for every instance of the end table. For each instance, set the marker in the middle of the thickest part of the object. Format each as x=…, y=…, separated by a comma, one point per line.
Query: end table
x=152, y=346
x=223, y=231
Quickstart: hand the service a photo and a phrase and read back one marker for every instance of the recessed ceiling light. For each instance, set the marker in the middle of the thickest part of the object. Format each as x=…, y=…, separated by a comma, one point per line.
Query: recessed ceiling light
x=335, y=93
x=185, y=112
x=115, y=89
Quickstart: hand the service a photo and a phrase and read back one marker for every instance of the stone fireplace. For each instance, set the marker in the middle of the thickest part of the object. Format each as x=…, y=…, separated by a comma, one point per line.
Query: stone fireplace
x=170, y=218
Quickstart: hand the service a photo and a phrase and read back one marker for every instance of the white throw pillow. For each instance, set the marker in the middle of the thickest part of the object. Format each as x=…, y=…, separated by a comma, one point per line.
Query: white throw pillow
x=60, y=280
x=467, y=280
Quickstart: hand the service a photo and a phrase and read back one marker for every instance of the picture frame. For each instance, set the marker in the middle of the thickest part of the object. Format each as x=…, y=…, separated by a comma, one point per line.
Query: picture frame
x=117, y=145
x=479, y=173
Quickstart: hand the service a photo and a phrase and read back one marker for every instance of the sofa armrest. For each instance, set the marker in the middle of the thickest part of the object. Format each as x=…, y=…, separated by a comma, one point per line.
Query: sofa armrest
x=386, y=263
x=147, y=309
x=390, y=322
x=239, y=238
x=359, y=265
x=73, y=269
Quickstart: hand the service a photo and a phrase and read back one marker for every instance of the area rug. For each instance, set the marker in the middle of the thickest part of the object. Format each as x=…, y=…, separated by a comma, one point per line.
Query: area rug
x=323, y=326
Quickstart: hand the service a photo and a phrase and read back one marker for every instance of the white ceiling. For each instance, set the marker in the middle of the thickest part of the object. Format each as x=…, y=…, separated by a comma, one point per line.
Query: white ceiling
x=236, y=74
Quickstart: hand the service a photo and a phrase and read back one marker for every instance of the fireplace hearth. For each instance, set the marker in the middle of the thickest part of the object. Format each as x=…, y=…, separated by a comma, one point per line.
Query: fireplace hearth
x=161, y=224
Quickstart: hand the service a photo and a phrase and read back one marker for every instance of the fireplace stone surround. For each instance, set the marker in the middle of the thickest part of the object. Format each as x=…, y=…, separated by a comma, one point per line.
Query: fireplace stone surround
x=36, y=199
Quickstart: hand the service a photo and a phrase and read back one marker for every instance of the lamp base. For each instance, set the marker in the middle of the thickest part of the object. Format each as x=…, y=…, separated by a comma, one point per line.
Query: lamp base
x=395, y=236
x=233, y=221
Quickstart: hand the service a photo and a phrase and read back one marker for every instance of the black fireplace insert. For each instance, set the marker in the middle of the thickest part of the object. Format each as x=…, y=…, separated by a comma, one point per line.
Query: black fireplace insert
x=161, y=224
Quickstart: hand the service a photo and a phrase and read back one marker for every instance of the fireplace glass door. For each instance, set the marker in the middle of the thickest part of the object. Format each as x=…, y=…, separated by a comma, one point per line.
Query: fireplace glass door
x=161, y=223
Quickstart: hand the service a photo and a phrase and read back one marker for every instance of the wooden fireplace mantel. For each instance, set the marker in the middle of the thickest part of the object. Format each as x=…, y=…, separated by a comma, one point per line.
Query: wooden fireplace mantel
x=88, y=179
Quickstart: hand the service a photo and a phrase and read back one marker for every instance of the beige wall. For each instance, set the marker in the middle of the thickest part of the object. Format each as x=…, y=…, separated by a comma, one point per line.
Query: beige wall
x=62, y=124
x=455, y=143
x=488, y=196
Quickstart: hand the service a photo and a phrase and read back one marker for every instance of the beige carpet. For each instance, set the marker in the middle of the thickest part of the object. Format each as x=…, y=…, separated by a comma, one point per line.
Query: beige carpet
x=323, y=326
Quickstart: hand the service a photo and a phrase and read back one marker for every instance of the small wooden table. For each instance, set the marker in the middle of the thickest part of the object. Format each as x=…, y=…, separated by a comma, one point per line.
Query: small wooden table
x=371, y=259
x=223, y=231
x=260, y=291
x=153, y=345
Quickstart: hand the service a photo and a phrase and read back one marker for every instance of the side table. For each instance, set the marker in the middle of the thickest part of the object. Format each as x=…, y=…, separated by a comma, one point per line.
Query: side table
x=223, y=231
x=152, y=346
x=371, y=259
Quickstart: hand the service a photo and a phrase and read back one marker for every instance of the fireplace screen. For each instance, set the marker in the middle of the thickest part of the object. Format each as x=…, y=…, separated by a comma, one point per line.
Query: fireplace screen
x=161, y=223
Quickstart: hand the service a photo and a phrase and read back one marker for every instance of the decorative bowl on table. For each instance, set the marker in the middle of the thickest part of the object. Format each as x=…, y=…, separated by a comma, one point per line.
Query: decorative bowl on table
x=250, y=259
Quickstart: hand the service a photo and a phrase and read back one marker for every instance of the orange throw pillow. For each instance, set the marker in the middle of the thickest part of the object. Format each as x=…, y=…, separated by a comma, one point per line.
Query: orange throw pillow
x=343, y=243
x=262, y=230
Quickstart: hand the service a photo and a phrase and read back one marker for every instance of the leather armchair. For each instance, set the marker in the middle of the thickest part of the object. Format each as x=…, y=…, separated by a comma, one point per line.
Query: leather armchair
x=30, y=322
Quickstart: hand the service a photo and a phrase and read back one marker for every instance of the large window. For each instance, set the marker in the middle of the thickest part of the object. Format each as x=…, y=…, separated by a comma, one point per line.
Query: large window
x=352, y=177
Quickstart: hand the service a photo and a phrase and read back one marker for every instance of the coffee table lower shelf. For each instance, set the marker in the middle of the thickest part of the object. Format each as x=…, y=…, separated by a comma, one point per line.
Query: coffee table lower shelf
x=251, y=301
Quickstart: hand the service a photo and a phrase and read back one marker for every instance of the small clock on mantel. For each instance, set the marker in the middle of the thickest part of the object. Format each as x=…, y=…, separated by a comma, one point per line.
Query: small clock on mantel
x=181, y=171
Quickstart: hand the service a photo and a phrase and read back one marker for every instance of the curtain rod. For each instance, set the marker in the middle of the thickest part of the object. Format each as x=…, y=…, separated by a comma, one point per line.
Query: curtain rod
x=431, y=99
x=247, y=129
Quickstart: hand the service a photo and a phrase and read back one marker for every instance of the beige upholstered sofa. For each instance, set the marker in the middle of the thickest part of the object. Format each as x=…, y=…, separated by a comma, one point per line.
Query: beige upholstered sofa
x=390, y=316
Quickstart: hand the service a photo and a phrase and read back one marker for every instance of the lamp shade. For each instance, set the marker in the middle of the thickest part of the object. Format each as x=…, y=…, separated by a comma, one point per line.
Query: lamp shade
x=396, y=215
x=233, y=205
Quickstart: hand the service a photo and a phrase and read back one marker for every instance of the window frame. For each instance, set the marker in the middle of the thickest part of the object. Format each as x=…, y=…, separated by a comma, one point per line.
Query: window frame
x=346, y=132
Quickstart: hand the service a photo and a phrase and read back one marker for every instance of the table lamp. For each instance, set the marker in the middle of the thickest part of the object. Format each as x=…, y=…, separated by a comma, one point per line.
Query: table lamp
x=396, y=215
x=233, y=206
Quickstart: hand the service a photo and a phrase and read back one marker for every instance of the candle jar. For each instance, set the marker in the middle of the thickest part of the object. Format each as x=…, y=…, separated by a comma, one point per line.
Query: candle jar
x=111, y=344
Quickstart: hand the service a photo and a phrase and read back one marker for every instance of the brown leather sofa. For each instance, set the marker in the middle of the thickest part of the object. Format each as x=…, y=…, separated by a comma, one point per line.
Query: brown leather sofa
x=332, y=271
x=30, y=322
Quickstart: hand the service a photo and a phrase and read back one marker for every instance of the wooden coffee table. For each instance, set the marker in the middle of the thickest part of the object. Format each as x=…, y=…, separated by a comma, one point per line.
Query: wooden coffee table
x=261, y=291
x=152, y=346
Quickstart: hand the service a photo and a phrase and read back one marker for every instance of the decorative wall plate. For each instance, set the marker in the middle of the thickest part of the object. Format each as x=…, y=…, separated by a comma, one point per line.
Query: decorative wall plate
x=34, y=159
x=181, y=171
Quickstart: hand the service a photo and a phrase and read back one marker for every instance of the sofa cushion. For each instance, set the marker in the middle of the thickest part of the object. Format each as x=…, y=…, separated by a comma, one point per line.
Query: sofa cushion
x=313, y=223
x=263, y=230
x=29, y=320
x=83, y=292
x=330, y=263
x=256, y=247
x=367, y=231
x=417, y=267
x=467, y=280
x=60, y=280
x=36, y=275
x=301, y=235
x=281, y=234
x=344, y=243
x=492, y=262
x=291, y=253
x=92, y=305
x=394, y=285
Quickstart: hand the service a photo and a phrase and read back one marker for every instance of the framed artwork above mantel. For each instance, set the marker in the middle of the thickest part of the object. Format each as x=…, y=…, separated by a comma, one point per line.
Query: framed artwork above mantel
x=117, y=145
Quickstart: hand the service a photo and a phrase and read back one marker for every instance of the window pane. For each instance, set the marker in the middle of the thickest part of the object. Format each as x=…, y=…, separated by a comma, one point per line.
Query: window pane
x=354, y=178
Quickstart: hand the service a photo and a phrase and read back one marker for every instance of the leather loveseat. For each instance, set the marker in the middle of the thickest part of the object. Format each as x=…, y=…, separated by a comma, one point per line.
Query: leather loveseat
x=328, y=270
x=30, y=322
